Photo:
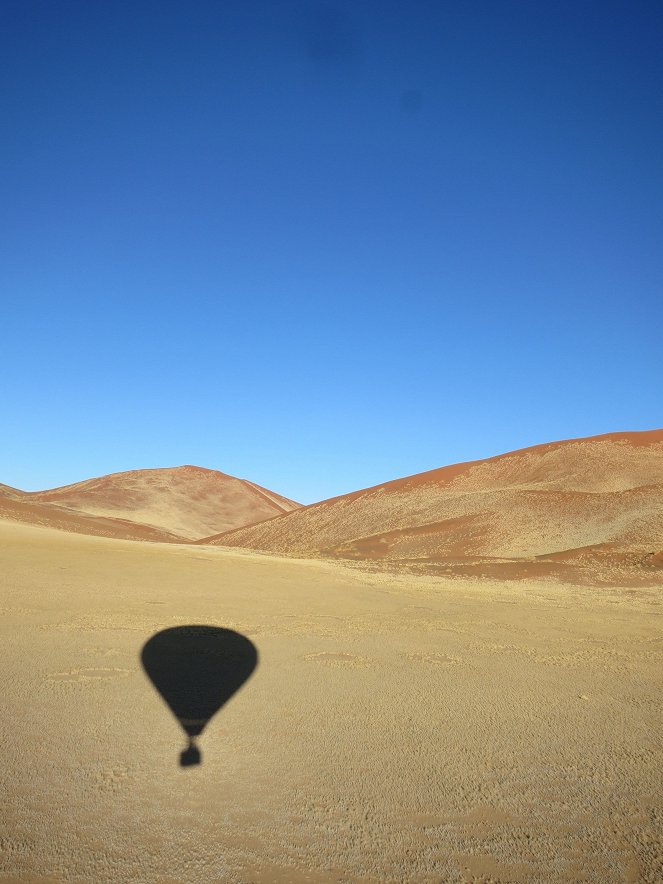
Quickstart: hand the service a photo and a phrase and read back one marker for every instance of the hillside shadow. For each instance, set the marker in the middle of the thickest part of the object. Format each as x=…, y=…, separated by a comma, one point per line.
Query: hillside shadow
x=197, y=669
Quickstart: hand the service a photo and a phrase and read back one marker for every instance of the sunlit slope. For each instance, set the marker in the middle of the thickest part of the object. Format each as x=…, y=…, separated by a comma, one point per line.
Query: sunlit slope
x=604, y=493
x=43, y=515
x=187, y=501
x=26, y=507
x=7, y=492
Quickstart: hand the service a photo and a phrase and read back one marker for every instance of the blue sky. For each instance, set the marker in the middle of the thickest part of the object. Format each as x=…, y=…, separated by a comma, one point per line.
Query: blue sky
x=321, y=246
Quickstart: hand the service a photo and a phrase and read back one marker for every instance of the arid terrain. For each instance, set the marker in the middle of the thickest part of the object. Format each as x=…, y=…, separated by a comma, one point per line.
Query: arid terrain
x=584, y=509
x=170, y=504
x=419, y=711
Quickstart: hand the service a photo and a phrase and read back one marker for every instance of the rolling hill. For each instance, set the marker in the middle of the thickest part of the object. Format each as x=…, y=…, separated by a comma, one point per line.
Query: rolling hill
x=582, y=503
x=178, y=503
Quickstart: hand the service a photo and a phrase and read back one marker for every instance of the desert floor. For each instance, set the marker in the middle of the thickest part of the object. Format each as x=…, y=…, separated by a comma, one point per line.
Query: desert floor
x=397, y=728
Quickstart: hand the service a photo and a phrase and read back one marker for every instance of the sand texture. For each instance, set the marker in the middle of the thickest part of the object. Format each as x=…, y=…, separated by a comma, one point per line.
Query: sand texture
x=183, y=502
x=587, y=509
x=454, y=676
x=396, y=728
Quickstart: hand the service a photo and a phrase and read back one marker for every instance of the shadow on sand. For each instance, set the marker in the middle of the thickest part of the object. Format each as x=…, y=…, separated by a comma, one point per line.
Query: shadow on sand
x=197, y=669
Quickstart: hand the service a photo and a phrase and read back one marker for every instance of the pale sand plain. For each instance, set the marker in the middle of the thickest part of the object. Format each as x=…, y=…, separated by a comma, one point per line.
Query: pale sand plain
x=397, y=727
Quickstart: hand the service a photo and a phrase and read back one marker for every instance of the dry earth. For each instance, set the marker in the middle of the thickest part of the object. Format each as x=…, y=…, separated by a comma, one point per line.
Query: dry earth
x=397, y=728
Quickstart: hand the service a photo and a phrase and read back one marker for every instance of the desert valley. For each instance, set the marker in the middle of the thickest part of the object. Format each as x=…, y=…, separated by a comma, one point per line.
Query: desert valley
x=457, y=675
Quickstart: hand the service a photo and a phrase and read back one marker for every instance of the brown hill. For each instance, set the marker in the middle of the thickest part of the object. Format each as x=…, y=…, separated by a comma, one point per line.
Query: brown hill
x=45, y=515
x=7, y=491
x=173, y=503
x=576, y=504
x=24, y=506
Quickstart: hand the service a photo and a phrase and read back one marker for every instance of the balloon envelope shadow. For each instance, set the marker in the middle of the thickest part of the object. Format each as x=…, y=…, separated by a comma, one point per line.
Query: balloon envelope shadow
x=197, y=669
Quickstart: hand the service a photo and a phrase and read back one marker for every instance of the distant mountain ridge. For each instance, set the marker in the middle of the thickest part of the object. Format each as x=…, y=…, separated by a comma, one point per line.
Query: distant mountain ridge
x=172, y=503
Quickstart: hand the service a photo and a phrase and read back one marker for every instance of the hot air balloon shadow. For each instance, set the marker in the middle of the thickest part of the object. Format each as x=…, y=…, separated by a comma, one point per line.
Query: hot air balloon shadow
x=197, y=669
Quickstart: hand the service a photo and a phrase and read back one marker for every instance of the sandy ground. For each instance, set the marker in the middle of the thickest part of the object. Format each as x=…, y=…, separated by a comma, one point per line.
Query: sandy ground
x=397, y=728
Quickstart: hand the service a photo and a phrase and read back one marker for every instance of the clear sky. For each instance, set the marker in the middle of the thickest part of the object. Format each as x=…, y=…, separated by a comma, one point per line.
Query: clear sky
x=322, y=246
